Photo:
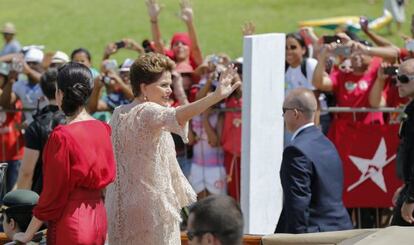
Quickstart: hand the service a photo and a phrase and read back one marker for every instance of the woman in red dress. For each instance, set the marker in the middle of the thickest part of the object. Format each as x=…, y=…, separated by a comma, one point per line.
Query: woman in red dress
x=78, y=163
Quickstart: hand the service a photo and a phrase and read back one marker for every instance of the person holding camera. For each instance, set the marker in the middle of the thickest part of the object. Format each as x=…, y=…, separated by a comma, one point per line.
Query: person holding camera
x=150, y=189
x=28, y=91
x=110, y=90
x=385, y=92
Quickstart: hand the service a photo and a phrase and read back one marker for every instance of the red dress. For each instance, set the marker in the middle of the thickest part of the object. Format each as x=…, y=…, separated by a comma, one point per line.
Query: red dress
x=78, y=162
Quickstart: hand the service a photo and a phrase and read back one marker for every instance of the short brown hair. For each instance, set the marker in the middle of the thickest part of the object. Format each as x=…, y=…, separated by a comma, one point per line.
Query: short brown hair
x=147, y=69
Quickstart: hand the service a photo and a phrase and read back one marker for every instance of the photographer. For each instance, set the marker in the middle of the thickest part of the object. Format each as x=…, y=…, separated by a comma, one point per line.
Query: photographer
x=110, y=90
x=28, y=91
x=350, y=89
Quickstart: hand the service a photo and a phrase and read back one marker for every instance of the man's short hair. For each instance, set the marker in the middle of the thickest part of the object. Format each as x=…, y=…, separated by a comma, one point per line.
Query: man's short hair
x=221, y=216
x=48, y=83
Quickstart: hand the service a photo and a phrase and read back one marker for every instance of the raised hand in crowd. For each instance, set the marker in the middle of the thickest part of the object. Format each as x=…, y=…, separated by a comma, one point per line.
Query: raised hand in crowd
x=154, y=9
x=178, y=88
x=376, y=99
x=248, y=28
x=126, y=43
x=186, y=13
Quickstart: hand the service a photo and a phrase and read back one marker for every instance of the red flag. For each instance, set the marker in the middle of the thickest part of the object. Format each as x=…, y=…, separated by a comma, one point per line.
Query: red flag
x=368, y=153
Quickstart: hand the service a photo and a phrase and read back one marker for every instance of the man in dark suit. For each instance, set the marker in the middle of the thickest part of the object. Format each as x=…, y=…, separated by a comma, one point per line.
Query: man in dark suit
x=311, y=172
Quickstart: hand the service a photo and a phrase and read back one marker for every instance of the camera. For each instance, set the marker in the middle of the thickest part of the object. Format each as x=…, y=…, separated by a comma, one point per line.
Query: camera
x=391, y=70
x=331, y=39
x=120, y=44
x=146, y=44
x=344, y=51
x=106, y=80
x=16, y=65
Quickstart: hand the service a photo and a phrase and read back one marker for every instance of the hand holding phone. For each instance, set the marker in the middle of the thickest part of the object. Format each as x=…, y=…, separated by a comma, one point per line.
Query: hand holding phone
x=331, y=39
x=391, y=70
x=120, y=44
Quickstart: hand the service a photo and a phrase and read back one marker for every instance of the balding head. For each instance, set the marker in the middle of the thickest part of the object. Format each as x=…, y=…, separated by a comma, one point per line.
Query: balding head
x=407, y=69
x=303, y=100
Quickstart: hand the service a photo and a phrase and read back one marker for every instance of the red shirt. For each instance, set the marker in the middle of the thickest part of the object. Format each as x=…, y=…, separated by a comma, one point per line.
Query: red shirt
x=353, y=91
x=77, y=155
x=11, y=138
x=231, y=136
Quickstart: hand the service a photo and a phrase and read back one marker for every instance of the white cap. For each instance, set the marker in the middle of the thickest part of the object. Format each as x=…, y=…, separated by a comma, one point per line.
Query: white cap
x=34, y=55
x=60, y=58
x=127, y=64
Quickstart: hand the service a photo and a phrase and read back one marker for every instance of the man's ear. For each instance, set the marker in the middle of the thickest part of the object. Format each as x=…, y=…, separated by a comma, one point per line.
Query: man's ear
x=13, y=224
x=209, y=238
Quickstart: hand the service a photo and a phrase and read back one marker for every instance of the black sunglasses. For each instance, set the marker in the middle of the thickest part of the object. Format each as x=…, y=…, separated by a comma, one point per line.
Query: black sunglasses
x=405, y=78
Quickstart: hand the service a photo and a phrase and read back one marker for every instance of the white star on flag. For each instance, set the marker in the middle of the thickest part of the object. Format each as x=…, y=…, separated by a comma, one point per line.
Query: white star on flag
x=372, y=168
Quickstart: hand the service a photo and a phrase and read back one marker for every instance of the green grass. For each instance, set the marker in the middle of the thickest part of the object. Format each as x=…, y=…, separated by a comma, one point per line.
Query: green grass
x=69, y=24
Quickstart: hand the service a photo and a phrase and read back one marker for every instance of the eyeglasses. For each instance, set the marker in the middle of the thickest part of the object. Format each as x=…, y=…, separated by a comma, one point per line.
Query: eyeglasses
x=291, y=47
x=192, y=234
x=285, y=109
x=405, y=78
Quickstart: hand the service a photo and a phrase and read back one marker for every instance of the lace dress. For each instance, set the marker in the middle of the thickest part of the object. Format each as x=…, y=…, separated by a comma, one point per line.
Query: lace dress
x=144, y=202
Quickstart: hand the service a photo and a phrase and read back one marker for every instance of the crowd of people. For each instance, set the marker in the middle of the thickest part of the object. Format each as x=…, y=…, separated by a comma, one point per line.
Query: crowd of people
x=174, y=128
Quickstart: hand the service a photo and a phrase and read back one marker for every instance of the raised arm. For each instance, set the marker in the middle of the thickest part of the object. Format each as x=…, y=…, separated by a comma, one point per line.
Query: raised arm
x=187, y=15
x=376, y=98
x=8, y=98
x=321, y=79
x=154, y=10
x=224, y=89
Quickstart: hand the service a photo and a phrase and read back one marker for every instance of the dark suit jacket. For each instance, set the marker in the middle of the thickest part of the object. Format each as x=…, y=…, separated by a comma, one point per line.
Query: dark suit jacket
x=312, y=182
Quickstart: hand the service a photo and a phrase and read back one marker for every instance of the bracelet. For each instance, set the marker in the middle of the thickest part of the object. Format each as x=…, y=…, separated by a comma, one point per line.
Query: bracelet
x=153, y=21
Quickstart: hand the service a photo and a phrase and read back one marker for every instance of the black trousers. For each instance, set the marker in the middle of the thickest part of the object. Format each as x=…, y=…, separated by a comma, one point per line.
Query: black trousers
x=397, y=219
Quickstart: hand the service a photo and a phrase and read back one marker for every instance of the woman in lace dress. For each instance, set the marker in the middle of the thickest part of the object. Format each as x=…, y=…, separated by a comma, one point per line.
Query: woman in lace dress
x=144, y=202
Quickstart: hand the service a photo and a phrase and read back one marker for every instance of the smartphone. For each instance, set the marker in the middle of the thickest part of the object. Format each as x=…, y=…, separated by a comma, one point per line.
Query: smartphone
x=344, y=51
x=331, y=39
x=391, y=70
x=120, y=44
x=410, y=45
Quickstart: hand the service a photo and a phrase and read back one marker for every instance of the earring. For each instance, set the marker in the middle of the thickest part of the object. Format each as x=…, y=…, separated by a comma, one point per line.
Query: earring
x=145, y=98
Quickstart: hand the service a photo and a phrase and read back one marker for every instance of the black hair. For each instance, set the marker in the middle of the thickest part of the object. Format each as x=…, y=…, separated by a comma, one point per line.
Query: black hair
x=74, y=80
x=48, y=83
x=81, y=50
x=22, y=215
x=221, y=216
x=300, y=40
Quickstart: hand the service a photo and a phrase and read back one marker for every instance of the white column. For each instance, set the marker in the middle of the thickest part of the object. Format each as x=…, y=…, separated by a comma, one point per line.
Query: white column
x=262, y=131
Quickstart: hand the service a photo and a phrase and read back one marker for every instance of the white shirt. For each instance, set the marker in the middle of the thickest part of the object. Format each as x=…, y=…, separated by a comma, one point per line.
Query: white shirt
x=300, y=129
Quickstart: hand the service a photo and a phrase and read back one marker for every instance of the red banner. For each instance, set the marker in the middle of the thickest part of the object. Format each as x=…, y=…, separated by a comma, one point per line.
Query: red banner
x=368, y=153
